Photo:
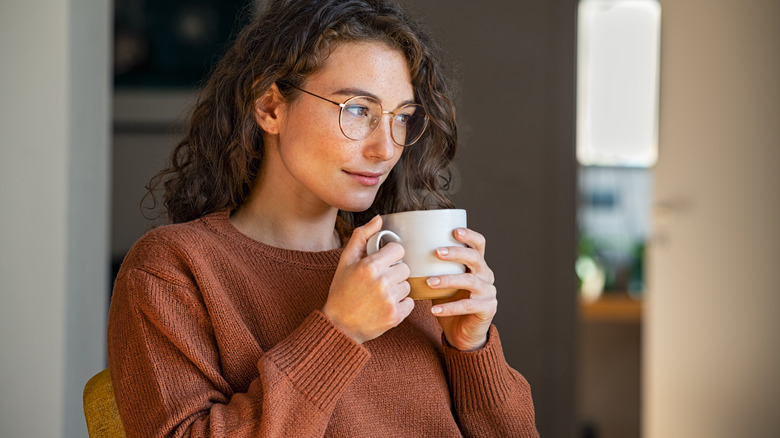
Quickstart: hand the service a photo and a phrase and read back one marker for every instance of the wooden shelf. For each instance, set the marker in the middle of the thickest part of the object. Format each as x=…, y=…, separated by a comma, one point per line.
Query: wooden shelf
x=612, y=307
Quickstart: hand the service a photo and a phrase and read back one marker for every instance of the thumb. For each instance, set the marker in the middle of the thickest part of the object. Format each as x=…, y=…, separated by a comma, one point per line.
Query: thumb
x=355, y=249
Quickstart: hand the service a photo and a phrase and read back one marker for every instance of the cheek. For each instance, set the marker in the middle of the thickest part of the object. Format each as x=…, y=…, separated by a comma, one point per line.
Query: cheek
x=315, y=138
x=310, y=155
x=397, y=158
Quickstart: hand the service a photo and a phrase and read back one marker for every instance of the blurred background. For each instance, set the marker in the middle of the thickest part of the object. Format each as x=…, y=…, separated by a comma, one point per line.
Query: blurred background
x=619, y=155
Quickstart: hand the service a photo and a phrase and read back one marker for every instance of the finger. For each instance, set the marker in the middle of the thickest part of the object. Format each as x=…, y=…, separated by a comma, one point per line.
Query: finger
x=469, y=257
x=406, y=306
x=391, y=276
x=389, y=255
x=470, y=282
x=483, y=309
x=400, y=271
x=355, y=249
x=402, y=290
x=471, y=238
x=402, y=309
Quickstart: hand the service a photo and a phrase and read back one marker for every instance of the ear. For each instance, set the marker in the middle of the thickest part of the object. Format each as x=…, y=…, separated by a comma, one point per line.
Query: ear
x=268, y=108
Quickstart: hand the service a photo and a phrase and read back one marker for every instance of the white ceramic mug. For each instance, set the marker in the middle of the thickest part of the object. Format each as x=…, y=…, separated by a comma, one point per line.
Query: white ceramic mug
x=420, y=232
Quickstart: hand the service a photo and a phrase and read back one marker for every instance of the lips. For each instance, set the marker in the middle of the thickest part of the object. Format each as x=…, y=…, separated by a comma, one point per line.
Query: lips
x=366, y=178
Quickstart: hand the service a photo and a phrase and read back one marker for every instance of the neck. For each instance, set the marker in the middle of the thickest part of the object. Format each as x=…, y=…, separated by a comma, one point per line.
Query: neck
x=287, y=225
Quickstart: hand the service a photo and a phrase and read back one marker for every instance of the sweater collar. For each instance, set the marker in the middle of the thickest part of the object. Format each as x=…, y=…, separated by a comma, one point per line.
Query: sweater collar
x=219, y=222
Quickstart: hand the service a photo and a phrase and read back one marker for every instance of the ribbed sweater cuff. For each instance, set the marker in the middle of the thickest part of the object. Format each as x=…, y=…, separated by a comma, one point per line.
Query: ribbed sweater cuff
x=319, y=359
x=479, y=378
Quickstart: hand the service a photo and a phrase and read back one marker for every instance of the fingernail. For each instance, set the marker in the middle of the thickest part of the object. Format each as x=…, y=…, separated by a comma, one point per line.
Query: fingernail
x=460, y=231
x=433, y=281
x=436, y=310
x=442, y=251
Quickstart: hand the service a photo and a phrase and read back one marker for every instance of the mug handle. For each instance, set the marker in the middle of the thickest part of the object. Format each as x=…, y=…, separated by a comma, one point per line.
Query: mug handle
x=380, y=239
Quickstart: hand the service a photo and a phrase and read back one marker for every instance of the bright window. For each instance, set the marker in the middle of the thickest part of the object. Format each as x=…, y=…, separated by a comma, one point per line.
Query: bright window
x=617, y=82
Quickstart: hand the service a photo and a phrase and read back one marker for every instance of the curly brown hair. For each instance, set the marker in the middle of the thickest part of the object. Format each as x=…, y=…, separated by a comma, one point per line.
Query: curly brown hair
x=215, y=164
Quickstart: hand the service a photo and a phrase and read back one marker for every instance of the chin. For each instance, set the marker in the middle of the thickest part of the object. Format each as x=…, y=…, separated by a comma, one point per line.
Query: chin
x=355, y=209
x=353, y=201
x=356, y=205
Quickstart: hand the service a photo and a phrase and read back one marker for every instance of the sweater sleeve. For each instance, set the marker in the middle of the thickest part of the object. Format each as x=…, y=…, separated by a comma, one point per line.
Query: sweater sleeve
x=166, y=368
x=489, y=397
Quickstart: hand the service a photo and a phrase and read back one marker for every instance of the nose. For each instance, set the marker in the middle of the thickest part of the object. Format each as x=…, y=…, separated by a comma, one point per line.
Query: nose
x=380, y=144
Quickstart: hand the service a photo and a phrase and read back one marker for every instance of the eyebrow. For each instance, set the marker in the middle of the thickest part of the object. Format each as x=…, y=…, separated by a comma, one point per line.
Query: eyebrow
x=352, y=92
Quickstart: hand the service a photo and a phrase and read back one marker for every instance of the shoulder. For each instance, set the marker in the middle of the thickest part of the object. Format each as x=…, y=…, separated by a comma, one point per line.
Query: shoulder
x=170, y=249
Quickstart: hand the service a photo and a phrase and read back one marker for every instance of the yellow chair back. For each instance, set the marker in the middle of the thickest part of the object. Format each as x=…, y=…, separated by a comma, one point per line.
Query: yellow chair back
x=100, y=408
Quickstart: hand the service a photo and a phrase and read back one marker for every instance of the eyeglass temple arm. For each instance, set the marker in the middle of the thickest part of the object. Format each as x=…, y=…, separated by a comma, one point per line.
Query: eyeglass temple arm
x=312, y=94
x=333, y=101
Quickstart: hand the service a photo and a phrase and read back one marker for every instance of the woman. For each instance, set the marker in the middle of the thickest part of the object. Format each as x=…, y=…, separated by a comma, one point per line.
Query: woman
x=258, y=312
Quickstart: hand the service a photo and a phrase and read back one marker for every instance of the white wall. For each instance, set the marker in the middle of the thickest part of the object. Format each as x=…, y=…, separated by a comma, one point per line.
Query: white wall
x=54, y=155
x=712, y=351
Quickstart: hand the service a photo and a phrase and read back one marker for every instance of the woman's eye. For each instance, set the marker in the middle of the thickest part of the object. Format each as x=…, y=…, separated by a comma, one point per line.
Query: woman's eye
x=357, y=110
x=403, y=118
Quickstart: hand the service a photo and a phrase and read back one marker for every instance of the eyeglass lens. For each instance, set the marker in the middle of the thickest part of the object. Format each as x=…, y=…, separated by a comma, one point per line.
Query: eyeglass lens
x=361, y=115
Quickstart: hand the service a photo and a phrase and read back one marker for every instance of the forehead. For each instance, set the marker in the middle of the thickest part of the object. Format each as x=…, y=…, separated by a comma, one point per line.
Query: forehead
x=371, y=66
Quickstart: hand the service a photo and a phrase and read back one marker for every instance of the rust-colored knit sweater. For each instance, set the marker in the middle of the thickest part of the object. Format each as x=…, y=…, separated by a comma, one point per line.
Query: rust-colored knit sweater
x=214, y=334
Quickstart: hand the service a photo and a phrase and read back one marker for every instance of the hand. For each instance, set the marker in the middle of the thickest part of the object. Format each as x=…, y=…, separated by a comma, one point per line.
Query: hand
x=369, y=294
x=466, y=317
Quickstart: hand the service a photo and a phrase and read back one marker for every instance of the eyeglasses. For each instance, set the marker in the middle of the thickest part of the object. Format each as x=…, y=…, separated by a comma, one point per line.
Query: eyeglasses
x=360, y=116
